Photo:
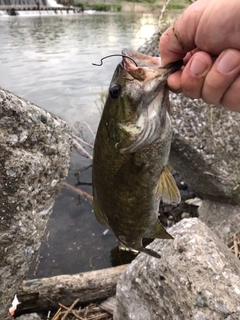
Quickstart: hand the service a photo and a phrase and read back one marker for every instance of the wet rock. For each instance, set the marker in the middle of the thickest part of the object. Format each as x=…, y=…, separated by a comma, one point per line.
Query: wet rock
x=223, y=219
x=34, y=158
x=206, y=148
x=30, y=316
x=196, y=278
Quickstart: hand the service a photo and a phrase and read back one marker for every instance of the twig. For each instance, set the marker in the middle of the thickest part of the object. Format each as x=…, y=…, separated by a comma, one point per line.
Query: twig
x=82, y=141
x=78, y=191
x=236, y=243
x=162, y=13
x=76, y=315
x=70, y=309
x=219, y=177
x=77, y=145
x=57, y=314
x=63, y=306
x=100, y=316
x=89, y=128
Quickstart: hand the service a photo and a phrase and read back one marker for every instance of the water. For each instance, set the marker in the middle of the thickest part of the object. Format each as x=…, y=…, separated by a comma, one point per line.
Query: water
x=48, y=60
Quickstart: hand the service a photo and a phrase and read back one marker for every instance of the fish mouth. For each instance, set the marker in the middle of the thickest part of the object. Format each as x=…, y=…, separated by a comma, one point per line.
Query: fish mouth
x=139, y=60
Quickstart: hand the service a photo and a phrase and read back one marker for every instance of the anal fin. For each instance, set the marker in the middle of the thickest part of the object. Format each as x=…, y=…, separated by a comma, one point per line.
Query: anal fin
x=159, y=232
x=166, y=188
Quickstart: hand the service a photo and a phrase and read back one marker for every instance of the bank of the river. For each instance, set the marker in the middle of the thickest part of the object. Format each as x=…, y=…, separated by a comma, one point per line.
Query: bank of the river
x=131, y=6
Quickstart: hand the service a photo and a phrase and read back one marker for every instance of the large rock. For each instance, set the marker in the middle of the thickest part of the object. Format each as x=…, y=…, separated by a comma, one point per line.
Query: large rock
x=34, y=158
x=206, y=148
x=197, y=278
x=222, y=218
x=30, y=316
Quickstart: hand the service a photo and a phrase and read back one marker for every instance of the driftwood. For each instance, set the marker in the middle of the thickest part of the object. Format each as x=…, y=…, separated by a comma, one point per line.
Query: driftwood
x=47, y=293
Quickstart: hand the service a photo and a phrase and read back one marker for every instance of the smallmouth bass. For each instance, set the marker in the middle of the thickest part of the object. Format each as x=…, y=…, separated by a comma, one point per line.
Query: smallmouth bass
x=131, y=150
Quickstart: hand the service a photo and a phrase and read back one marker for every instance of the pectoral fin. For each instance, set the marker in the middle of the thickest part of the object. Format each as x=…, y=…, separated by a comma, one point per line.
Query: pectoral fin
x=159, y=232
x=166, y=188
x=99, y=214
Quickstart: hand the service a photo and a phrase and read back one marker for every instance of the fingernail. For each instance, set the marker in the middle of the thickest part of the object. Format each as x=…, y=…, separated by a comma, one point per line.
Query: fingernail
x=228, y=61
x=198, y=67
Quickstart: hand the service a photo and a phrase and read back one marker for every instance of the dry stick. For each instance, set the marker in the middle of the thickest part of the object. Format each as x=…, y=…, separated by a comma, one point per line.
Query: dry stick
x=82, y=141
x=77, y=145
x=89, y=128
x=214, y=175
x=100, y=316
x=70, y=309
x=79, y=191
x=57, y=314
x=76, y=315
x=235, y=242
x=63, y=306
x=162, y=13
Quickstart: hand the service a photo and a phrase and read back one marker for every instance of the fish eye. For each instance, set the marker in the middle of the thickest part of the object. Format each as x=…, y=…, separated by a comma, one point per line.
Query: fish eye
x=115, y=90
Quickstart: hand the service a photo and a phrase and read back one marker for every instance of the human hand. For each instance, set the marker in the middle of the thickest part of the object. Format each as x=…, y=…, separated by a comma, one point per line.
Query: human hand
x=207, y=37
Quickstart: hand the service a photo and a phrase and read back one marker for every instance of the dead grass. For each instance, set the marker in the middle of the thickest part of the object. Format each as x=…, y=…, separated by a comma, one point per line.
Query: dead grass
x=90, y=312
x=234, y=244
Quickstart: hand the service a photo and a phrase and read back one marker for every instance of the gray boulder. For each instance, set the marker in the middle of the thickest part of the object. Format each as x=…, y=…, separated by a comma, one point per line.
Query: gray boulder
x=30, y=316
x=197, y=278
x=34, y=158
x=206, y=148
x=222, y=218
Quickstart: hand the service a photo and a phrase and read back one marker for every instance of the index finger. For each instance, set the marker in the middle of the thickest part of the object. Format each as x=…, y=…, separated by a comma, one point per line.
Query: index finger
x=179, y=38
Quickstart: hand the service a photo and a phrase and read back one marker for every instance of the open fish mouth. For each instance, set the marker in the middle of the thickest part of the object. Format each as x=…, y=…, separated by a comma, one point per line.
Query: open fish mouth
x=141, y=60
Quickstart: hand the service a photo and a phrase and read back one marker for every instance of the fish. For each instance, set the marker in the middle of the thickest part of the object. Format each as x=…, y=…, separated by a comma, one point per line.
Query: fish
x=130, y=170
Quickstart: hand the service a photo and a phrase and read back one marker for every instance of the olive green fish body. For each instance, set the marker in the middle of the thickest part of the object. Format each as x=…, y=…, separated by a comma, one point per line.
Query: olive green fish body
x=131, y=153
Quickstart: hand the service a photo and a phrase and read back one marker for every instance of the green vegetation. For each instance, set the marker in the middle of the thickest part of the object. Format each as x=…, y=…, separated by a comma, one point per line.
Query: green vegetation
x=80, y=5
x=142, y=1
x=175, y=6
x=117, y=7
x=178, y=4
x=101, y=6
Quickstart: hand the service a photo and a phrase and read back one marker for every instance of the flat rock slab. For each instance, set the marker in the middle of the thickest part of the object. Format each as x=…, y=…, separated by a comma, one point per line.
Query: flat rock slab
x=35, y=150
x=197, y=278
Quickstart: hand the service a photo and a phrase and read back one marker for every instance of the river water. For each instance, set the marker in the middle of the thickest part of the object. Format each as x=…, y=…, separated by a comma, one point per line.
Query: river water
x=48, y=60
